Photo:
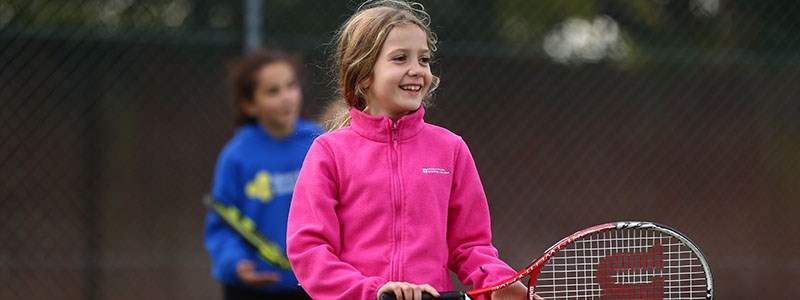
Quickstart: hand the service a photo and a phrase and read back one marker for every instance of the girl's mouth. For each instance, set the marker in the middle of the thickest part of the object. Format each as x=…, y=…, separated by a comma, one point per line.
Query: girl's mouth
x=413, y=89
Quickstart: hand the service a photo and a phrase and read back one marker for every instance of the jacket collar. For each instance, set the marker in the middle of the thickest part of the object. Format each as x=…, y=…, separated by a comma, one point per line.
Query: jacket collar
x=379, y=128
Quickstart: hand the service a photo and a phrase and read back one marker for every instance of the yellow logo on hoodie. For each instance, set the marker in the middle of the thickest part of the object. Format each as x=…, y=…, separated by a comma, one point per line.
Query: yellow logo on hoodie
x=259, y=188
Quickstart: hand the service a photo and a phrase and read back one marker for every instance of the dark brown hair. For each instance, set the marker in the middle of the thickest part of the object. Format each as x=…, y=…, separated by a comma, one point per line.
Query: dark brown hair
x=242, y=78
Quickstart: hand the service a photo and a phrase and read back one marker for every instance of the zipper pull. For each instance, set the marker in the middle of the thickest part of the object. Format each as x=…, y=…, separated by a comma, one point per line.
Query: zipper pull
x=394, y=133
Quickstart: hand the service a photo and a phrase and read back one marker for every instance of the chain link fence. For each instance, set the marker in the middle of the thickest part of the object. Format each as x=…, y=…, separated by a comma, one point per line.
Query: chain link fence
x=580, y=112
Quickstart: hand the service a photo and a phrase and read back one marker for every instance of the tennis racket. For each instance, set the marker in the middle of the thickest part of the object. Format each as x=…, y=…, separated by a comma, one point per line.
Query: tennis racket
x=246, y=228
x=620, y=260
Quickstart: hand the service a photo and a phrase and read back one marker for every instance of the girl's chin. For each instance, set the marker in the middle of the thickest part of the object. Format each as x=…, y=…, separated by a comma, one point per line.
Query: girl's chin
x=411, y=105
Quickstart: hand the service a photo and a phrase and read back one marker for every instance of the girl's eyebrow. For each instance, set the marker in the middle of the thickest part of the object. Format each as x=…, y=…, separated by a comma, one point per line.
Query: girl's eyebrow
x=422, y=50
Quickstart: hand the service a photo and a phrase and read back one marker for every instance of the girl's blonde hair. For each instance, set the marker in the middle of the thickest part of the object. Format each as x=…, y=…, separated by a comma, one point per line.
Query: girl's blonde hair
x=359, y=42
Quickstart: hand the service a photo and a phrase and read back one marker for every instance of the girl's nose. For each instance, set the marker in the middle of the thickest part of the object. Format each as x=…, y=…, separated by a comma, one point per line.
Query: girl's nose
x=415, y=70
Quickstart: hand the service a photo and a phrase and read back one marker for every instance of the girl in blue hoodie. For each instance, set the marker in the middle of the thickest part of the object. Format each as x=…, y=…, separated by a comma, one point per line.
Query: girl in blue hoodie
x=256, y=173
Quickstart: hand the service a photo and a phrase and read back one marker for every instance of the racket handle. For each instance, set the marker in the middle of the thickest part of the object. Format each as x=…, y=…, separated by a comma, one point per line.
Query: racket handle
x=426, y=296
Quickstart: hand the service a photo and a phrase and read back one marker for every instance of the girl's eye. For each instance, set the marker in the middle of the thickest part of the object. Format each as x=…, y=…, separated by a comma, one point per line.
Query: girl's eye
x=272, y=91
x=399, y=58
x=425, y=60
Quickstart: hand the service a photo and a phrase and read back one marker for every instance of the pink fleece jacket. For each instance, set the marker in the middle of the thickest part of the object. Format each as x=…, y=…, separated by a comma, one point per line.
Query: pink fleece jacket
x=380, y=201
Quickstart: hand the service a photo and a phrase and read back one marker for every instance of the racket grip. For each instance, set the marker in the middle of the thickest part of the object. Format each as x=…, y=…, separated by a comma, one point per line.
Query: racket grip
x=426, y=296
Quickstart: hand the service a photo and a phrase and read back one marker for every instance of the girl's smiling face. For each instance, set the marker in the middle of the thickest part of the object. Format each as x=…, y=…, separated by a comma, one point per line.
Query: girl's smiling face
x=402, y=75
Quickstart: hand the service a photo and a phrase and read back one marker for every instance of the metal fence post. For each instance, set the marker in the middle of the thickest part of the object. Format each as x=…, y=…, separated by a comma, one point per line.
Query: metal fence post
x=252, y=24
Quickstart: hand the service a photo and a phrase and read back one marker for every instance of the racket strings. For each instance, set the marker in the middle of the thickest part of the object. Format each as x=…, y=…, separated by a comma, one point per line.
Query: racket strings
x=623, y=264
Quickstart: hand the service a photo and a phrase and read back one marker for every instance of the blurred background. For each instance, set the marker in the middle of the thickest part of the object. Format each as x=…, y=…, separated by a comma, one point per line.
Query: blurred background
x=686, y=113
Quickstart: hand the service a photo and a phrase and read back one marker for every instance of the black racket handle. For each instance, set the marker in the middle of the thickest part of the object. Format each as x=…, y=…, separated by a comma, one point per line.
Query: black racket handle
x=426, y=296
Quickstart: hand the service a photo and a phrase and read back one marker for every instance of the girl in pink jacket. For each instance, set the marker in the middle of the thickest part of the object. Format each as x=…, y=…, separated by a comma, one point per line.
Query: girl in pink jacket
x=389, y=203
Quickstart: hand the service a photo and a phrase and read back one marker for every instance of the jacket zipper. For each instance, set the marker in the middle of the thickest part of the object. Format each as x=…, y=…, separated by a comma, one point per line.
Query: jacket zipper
x=395, y=272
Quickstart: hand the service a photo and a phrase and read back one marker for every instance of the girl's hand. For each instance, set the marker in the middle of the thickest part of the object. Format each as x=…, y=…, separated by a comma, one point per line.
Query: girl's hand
x=246, y=270
x=407, y=291
x=516, y=291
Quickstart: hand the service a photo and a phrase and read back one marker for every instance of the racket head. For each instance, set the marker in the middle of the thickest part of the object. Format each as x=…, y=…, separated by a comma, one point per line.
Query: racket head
x=622, y=260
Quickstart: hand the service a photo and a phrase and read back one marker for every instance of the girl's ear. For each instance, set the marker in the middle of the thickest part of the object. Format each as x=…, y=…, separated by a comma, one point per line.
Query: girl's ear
x=247, y=107
x=366, y=83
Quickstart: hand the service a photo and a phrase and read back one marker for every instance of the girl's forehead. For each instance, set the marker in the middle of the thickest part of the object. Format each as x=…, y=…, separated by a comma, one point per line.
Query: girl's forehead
x=407, y=36
x=275, y=72
x=276, y=67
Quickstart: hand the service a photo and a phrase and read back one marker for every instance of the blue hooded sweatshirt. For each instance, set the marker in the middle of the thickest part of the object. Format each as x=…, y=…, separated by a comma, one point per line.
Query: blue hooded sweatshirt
x=256, y=173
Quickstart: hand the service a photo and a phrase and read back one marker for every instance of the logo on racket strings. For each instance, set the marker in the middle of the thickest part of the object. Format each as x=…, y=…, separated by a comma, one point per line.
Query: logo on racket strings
x=632, y=275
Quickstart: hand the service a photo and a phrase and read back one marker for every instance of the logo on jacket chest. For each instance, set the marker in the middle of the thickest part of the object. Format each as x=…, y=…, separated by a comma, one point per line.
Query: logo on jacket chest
x=435, y=171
